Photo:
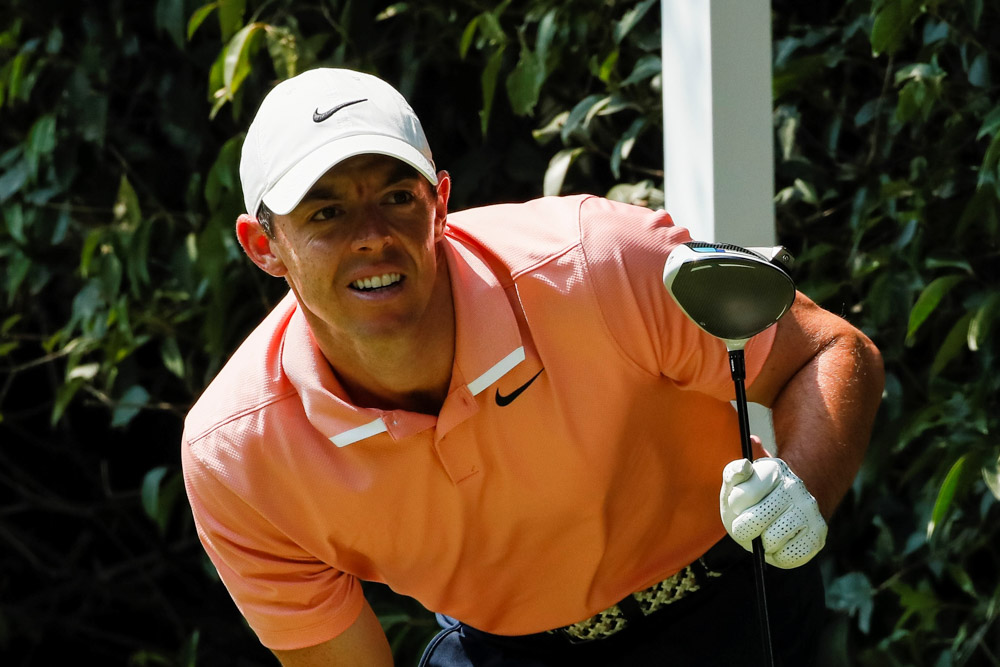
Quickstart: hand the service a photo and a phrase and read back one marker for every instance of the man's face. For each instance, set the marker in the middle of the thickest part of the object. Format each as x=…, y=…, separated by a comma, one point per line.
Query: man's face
x=360, y=250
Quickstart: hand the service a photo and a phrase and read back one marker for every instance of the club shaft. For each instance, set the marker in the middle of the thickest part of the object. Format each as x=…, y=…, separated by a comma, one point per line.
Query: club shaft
x=737, y=367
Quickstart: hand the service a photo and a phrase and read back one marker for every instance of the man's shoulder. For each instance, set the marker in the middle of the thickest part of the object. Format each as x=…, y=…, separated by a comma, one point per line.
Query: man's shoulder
x=538, y=228
x=250, y=380
x=525, y=235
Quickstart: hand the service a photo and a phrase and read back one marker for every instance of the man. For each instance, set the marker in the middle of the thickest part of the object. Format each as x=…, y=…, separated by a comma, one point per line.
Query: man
x=502, y=414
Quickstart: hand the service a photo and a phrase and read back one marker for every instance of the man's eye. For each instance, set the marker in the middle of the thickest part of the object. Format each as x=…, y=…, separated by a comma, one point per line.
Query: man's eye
x=401, y=197
x=326, y=213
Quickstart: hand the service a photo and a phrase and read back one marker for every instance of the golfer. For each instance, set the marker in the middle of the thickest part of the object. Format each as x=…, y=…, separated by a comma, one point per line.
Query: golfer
x=501, y=413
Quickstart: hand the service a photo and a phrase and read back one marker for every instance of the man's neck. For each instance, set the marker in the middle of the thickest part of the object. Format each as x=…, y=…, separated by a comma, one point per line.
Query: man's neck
x=408, y=372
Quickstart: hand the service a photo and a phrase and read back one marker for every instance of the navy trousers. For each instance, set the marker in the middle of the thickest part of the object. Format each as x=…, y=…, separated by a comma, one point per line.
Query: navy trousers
x=716, y=625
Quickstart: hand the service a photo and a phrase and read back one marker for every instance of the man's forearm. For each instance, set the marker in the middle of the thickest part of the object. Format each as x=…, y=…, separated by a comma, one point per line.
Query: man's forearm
x=823, y=417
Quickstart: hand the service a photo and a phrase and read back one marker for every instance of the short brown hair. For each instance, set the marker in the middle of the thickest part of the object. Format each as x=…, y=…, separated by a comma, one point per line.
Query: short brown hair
x=265, y=217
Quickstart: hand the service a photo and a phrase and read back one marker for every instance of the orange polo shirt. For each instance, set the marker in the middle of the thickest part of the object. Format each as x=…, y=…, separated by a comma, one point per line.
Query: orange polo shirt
x=577, y=457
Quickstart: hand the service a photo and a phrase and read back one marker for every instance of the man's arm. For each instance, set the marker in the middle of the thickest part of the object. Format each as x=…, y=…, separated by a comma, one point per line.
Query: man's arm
x=363, y=644
x=823, y=382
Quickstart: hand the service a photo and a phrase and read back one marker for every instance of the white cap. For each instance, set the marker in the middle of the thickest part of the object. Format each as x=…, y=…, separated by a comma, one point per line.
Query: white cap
x=313, y=121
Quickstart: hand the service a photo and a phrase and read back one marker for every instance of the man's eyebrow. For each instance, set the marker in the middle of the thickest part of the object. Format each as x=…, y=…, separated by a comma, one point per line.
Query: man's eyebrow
x=323, y=191
x=401, y=172
x=319, y=191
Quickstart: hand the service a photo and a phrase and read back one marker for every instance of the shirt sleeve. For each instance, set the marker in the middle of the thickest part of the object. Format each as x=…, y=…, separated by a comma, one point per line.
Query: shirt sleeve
x=289, y=598
x=625, y=248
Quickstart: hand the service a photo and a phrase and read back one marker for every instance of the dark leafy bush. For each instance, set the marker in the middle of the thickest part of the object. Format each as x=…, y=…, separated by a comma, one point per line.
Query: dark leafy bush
x=124, y=290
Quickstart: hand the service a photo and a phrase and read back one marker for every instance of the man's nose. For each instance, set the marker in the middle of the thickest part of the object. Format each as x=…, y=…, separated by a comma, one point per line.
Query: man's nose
x=372, y=233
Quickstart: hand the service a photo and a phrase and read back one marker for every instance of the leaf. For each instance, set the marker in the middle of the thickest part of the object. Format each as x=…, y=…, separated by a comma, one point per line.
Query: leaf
x=791, y=76
x=976, y=13
x=546, y=31
x=945, y=496
x=138, y=258
x=954, y=342
x=892, y=23
x=489, y=25
x=111, y=276
x=991, y=475
x=14, y=179
x=979, y=71
x=935, y=31
x=962, y=578
x=489, y=83
x=644, y=193
x=84, y=372
x=41, y=141
x=236, y=64
x=160, y=494
x=928, y=300
x=525, y=83
x=920, y=601
x=607, y=66
x=647, y=67
x=170, y=19
x=581, y=111
x=392, y=10
x=199, y=16
x=223, y=174
x=151, y=490
x=467, y=36
x=552, y=129
x=283, y=49
x=64, y=395
x=854, y=594
x=623, y=148
x=631, y=19
x=170, y=353
x=126, y=208
x=991, y=160
x=10, y=323
x=231, y=17
x=134, y=399
x=866, y=113
x=555, y=175
x=13, y=216
x=979, y=327
x=991, y=124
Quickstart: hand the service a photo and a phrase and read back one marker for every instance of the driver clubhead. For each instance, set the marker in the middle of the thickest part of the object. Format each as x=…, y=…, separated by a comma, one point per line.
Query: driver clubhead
x=730, y=292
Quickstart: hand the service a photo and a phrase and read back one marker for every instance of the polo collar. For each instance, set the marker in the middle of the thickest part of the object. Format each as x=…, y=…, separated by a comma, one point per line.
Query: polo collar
x=487, y=347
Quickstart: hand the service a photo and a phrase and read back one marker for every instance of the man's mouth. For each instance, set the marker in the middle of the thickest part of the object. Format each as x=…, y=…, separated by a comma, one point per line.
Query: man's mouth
x=377, y=282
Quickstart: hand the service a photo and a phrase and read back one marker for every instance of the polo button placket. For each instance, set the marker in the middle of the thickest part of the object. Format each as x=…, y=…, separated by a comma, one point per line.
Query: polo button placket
x=458, y=456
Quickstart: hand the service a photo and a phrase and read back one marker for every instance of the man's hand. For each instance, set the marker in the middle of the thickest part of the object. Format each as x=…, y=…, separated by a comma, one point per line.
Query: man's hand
x=766, y=498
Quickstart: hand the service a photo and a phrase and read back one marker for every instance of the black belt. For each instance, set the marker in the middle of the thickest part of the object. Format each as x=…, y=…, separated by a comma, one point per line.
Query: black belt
x=648, y=601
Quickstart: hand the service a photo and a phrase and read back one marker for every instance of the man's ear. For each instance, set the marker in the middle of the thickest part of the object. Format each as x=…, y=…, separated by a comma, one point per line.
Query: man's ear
x=441, y=206
x=257, y=245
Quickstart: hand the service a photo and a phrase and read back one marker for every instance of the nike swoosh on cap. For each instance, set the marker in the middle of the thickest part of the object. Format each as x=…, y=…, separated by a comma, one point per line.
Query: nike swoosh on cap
x=504, y=401
x=320, y=116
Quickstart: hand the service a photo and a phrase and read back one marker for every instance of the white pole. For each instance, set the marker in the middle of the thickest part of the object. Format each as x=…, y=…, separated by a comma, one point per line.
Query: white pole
x=718, y=137
x=717, y=128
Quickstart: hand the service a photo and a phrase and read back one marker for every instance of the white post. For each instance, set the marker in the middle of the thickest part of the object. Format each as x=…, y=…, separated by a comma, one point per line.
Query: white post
x=718, y=147
x=717, y=127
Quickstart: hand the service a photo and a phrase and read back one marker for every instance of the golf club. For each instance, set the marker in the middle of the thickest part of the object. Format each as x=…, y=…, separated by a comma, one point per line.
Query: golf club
x=734, y=293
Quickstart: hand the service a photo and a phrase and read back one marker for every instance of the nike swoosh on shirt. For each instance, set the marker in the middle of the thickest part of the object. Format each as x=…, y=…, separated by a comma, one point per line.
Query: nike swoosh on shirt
x=504, y=401
x=320, y=116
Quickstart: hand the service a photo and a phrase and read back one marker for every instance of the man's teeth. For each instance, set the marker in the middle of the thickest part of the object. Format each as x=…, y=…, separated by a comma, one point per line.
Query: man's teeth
x=375, y=282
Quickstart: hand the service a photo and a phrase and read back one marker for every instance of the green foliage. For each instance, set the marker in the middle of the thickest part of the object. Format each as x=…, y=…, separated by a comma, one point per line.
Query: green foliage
x=887, y=119
x=124, y=290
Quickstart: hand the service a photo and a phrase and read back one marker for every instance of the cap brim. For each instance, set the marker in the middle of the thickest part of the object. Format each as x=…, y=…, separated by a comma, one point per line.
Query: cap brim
x=289, y=190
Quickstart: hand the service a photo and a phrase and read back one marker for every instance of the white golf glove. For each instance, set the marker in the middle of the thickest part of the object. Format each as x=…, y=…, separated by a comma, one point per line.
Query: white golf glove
x=766, y=498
